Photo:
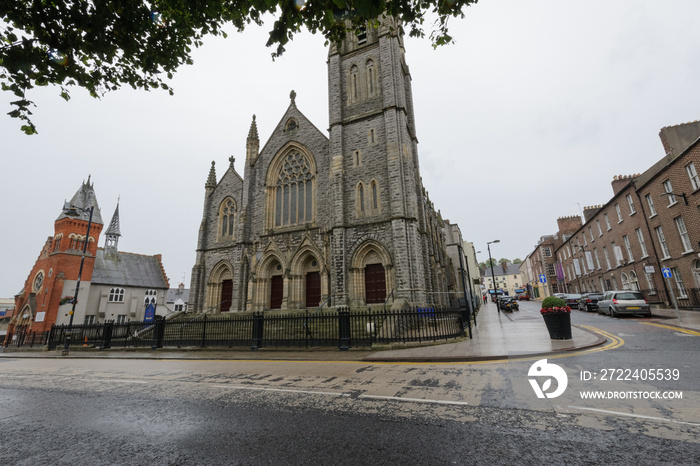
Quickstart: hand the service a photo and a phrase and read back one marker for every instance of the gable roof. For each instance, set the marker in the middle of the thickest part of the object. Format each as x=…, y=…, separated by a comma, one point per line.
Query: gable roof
x=126, y=269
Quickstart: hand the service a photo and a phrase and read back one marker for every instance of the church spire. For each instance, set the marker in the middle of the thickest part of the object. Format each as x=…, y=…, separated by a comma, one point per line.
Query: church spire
x=112, y=234
x=253, y=143
x=211, y=180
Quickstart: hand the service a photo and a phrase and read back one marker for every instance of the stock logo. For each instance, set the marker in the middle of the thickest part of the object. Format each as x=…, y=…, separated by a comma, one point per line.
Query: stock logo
x=543, y=369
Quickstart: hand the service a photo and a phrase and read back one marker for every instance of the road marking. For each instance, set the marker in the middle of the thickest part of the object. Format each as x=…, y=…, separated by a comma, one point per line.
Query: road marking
x=283, y=390
x=415, y=400
x=118, y=380
x=670, y=327
x=640, y=416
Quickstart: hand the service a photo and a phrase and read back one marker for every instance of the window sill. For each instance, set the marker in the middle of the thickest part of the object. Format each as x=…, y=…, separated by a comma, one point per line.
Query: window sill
x=653, y=215
x=665, y=258
x=672, y=204
x=685, y=253
x=645, y=256
x=632, y=213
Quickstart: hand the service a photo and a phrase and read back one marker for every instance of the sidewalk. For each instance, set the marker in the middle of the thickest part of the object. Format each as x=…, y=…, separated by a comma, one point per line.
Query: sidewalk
x=496, y=336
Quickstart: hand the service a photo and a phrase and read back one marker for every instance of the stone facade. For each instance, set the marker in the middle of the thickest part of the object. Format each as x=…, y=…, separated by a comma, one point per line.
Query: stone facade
x=343, y=217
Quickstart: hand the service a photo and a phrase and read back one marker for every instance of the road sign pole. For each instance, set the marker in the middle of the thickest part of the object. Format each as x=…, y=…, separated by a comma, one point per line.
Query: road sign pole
x=673, y=297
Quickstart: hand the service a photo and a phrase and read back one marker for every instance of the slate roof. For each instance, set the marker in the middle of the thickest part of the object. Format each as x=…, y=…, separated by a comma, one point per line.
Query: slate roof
x=174, y=293
x=126, y=269
x=82, y=200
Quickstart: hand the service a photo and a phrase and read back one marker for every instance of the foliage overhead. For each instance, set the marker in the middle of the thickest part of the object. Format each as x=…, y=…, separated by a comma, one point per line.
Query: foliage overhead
x=100, y=45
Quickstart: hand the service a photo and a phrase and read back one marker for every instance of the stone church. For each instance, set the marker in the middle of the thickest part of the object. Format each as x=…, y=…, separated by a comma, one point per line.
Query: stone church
x=342, y=215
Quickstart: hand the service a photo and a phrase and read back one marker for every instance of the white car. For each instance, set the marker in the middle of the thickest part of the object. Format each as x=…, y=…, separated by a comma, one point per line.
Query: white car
x=614, y=303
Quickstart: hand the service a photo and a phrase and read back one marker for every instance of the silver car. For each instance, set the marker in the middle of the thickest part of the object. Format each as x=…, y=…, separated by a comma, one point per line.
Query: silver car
x=614, y=303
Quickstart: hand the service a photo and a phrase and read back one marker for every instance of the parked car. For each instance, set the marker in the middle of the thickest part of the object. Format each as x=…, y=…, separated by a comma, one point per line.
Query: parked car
x=614, y=303
x=589, y=301
x=572, y=300
x=524, y=297
x=508, y=304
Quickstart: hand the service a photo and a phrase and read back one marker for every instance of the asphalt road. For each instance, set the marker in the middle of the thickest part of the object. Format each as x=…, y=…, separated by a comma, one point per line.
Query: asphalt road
x=95, y=411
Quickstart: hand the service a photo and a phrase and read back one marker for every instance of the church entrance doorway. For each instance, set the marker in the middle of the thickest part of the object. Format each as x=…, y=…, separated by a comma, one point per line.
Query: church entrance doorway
x=276, y=291
x=313, y=289
x=226, y=295
x=375, y=284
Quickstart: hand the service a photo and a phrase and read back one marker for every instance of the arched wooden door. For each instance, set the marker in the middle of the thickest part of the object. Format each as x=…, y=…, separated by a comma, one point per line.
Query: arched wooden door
x=375, y=284
x=313, y=289
x=226, y=295
x=276, y=291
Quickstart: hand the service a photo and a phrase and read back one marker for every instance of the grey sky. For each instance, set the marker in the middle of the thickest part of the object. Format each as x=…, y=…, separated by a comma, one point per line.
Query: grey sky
x=525, y=119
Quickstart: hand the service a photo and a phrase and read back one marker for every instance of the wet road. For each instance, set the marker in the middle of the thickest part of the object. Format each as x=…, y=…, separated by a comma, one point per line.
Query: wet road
x=95, y=411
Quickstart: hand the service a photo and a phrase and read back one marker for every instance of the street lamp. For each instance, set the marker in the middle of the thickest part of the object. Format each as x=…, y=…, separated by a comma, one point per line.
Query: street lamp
x=685, y=199
x=73, y=212
x=464, y=289
x=493, y=276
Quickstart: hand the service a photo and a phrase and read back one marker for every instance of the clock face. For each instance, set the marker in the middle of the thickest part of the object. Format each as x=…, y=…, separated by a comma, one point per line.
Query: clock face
x=38, y=281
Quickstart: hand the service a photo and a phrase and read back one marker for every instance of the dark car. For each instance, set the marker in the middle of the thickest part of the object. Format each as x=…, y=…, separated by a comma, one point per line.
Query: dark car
x=508, y=303
x=572, y=300
x=589, y=301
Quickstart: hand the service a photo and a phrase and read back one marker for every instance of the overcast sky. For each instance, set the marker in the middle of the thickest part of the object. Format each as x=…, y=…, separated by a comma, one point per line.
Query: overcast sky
x=525, y=119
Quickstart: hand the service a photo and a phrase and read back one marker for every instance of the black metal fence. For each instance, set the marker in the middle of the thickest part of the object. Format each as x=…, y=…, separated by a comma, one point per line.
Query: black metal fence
x=341, y=328
x=688, y=298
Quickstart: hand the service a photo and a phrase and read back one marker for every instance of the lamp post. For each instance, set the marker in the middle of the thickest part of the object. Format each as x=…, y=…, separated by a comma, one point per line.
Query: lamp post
x=464, y=290
x=493, y=276
x=73, y=211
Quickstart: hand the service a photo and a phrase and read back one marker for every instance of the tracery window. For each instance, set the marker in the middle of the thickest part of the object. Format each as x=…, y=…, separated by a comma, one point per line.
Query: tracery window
x=227, y=215
x=294, y=191
x=150, y=297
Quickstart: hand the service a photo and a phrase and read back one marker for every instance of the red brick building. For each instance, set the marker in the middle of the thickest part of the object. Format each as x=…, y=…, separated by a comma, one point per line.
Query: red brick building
x=651, y=223
x=114, y=285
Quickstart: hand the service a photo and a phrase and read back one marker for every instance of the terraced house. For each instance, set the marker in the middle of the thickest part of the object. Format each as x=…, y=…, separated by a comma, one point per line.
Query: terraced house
x=651, y=224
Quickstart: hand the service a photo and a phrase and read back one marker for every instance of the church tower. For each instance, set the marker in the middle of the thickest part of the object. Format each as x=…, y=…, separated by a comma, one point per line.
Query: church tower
x=112, y=236
x=56, y=271
x=379, y=206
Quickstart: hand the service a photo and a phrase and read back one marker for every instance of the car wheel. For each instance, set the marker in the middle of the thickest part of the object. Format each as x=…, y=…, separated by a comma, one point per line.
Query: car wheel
x=612, y=312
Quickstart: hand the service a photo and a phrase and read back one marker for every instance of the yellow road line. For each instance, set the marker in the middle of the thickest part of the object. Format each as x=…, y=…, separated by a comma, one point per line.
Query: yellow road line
x=615, y=342
x=677, y=329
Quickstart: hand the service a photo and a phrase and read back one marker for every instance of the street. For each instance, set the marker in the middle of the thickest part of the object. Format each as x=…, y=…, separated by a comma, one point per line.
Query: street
x=137, y=411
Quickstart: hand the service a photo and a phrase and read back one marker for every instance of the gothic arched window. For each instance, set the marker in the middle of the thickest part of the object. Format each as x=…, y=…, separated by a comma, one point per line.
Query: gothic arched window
x=361, y=198
x=375, y=195
x=227, y=215
x=294, y=191
x=371, y=78
x=354, y=78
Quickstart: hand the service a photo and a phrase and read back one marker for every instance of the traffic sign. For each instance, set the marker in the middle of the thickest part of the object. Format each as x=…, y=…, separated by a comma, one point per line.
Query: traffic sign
x=666, y=272
x=543, y=279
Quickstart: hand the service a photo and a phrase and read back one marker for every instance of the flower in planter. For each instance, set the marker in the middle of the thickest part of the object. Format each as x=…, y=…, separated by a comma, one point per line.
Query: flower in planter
x=554, y=305
x=67, y=300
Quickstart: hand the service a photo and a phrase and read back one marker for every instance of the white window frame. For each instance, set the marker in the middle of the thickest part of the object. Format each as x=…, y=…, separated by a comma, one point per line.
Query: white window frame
x=652, y=207
x=607, y=221
x=630, y=202
x=669, y=189
x=619, y=213
x=683, y=232
x=682, y=292
x=600, y=230
x=607, y=257
x=628, y=246
x=597, y=258
x=116, y=295
x=642, y=244
x=590, y=233
x=693, y=175
x=662, y=243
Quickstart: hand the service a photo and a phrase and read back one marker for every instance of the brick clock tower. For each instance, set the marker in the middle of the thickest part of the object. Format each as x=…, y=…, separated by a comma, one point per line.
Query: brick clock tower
x=55, y=272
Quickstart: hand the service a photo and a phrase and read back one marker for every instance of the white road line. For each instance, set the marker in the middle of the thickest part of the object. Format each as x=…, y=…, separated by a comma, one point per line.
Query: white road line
x=416, y=400
x=118, y=380
x=284, y=390
x=640, y=416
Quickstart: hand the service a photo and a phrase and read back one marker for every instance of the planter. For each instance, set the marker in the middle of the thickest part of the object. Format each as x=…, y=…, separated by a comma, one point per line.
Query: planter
x=558, y=325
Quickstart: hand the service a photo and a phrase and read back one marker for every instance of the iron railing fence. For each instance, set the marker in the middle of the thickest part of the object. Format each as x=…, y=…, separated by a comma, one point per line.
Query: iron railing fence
x=687, y=298
x=327, y=328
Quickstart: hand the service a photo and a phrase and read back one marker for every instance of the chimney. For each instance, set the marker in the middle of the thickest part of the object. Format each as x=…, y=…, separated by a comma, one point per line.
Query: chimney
x=620, y=182
x=590, y=211
x=568, y=225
